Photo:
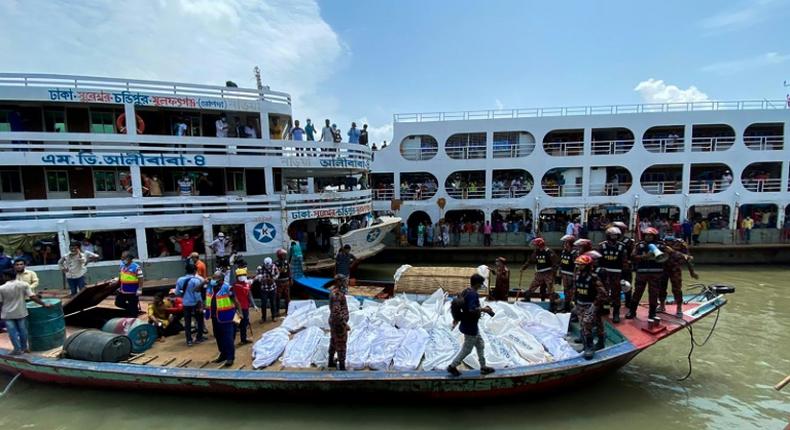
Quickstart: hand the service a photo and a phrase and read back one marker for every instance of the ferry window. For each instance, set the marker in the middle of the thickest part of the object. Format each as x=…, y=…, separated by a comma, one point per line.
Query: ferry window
x=55, y=121
x=105, y=181
x=236, y=181
x=236, y=234
x=57, y=181
x=5, y=122
x=10, y=182
x=102, y=122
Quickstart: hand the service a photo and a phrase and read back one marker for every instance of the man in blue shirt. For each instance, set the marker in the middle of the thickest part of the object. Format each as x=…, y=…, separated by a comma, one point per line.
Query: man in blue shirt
x=189, y=287
x=472, y=338
x=353, y=133
x=6, y=266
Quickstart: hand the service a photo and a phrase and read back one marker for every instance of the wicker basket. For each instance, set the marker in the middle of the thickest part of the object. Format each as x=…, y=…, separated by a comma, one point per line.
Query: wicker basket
x=426, y=280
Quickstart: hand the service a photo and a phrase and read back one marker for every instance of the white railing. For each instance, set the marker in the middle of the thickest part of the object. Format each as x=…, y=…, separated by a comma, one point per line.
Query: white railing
x=573, y=190
x=697, y=186
x=609, y=189
x=155, y=87
x=593, y=110
x=144, y=206
x=513, y=150
x=711, y=144
x=562, y=149
x=662, y=187
x=417, y=195
x=418, y=154
x=383, y=193
x=770, y=185
x=459, y=193
x=466, y=152
x=664, y=145
x=764, y=143
x=509, y=194
x=102, y=143
x=611, y=147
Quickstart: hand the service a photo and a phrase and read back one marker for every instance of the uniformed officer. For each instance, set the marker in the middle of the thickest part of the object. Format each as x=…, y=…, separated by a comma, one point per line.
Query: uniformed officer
x=648, y=271
x=673, y=272
x=567, y=268
x=628, y=274
x=545, y=265
x=612, y=263
x=590, y=295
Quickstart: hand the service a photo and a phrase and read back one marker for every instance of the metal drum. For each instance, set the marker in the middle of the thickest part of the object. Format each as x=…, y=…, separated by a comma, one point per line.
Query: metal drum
x=142, y=334
x=95, y=345
x=46, y=327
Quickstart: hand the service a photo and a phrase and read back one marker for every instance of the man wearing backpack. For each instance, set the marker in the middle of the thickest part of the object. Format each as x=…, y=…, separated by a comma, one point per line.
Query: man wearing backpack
x=466, y=310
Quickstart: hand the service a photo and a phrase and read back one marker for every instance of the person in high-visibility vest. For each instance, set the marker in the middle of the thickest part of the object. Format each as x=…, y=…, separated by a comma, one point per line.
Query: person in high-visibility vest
x=221, y=307
x=130, y=284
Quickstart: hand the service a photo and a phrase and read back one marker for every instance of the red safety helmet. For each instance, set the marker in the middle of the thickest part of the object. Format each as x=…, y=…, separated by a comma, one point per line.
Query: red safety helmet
x=281, y=252
x=568, y=238
x=583, y=244
x=650, y=230
x=539, y=242
x=583, y=260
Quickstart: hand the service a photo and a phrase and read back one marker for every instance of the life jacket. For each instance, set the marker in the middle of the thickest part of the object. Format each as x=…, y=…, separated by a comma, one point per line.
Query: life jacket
x=225, y=310
x=612, y=256
x=129, y=278
x=543, y=259
x=567, y=261
x=586, y=289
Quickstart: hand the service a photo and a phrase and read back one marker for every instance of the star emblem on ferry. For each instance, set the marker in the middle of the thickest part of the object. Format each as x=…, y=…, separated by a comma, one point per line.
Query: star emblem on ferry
x=264, y=232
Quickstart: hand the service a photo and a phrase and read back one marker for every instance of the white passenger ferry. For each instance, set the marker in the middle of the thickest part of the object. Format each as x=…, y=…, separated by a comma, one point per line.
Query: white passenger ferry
x=150, y=167
x=714, y=162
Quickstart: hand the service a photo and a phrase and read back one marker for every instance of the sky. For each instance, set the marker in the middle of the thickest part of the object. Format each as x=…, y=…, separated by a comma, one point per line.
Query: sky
x=364, y=61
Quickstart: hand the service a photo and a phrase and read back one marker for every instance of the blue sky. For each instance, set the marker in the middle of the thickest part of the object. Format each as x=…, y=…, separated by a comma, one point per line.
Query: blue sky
x=365, y=60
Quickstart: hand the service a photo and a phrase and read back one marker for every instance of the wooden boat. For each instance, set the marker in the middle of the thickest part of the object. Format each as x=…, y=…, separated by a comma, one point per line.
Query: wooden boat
x=171, y=366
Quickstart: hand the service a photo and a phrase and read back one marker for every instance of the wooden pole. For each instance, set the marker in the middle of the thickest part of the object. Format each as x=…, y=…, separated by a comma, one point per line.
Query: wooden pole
x=779, y=386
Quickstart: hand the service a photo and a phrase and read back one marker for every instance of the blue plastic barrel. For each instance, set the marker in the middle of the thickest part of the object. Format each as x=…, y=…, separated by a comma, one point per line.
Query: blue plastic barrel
x=142, y=334
x=46, y=326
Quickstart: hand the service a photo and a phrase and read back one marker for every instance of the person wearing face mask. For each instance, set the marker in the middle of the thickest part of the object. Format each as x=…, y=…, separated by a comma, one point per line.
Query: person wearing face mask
x=221, y=307
x=243, y=294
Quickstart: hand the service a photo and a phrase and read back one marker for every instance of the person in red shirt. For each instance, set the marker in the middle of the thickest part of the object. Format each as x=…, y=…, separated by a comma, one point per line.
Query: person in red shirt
x=243, y=295
x=186, y=243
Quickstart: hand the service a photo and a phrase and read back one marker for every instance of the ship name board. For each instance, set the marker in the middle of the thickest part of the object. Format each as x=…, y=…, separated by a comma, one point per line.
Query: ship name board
x=136, y=98
x=331, y=162
x=122, y=159
x=343, y=211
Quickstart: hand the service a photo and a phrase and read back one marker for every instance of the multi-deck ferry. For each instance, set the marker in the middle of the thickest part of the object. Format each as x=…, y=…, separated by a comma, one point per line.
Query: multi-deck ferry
x=712, y=161
x=148, y=167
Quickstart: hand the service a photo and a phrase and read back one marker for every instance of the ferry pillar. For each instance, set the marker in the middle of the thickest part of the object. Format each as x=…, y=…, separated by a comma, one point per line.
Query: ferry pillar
x=139, y=235
x=268, y=181
x=686, y=178
x=489, y=185
x=131, y=120
x=137, y=181
x=396, y=185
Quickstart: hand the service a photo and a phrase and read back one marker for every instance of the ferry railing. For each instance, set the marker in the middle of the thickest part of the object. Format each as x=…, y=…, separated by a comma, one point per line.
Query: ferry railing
x=468, y=152
x=612, y=147
x=102, y=143
x=67, y=82
x=463, y=194
x=562, y=149
x=417, y=195
x=702, y=186
x=419, y=154
x=764, y=143
x=609, y=189
x=664, y=144
x=769, y=185
x=662, y=187
x=172, y=205
x=572, y=190
x=509, y=194
x=512, y=150
x=383, y=193
x=711, y=144
x=593, y=110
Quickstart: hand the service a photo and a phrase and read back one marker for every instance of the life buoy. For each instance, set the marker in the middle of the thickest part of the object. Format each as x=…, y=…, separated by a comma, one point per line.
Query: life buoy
x=120, y=123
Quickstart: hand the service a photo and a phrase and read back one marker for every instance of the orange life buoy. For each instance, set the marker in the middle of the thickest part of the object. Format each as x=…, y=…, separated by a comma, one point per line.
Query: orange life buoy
x=121, y=123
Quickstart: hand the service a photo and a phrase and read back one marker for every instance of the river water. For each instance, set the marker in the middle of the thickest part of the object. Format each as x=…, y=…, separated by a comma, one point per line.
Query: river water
x=730, y=388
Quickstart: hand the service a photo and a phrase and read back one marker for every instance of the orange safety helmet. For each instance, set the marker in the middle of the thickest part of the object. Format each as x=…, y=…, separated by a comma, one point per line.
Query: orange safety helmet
x=583, y=260
x=539, y=242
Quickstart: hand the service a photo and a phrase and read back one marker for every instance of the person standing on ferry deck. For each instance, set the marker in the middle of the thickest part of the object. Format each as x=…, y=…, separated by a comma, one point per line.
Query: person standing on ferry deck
x=353, y=133
x=266, y=276
x=222, y=126
x=73, y=265
x=309, y=130
x=297, y=133
x=327, y=135
x=363, y=135
x=220, y=247
x=25, y=275
x=284, y=280
x=14, y=312
x=502, y=288
x=189, y=287
x=338, y=325
x=545, y=263
x=243, y=295
x=221, y=306
x=130, y=283
x=614, y=257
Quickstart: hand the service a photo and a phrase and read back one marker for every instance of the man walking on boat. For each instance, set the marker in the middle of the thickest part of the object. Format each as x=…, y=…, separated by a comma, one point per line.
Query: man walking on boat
x=468, y=317
x=545, y=264
x=221, y=307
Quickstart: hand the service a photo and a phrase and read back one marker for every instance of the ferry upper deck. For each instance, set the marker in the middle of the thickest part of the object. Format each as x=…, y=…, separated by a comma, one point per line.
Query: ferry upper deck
x=690, y=157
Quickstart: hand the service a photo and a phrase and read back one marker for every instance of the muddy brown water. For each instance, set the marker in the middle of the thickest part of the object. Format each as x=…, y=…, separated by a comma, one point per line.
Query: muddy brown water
x=730, y=388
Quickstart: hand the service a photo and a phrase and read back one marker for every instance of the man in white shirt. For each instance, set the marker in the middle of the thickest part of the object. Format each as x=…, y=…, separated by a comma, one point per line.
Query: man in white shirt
x=222, y=126
x=250, y=131
x=327, y=135
x=181, y=127
x=220, y=247
x=74, y=266
x=569, y=228
x=14, y=313
x=185, y=187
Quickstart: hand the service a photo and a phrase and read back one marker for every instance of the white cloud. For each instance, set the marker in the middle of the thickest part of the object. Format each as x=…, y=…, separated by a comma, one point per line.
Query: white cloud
x=377, y=134
x=740, y=65
x=499, y=104
x=657, y=91
x=744, y=15
x=195, y=41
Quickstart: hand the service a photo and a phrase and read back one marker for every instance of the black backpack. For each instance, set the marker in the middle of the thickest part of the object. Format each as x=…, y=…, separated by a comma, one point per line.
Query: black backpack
x=458, y=307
